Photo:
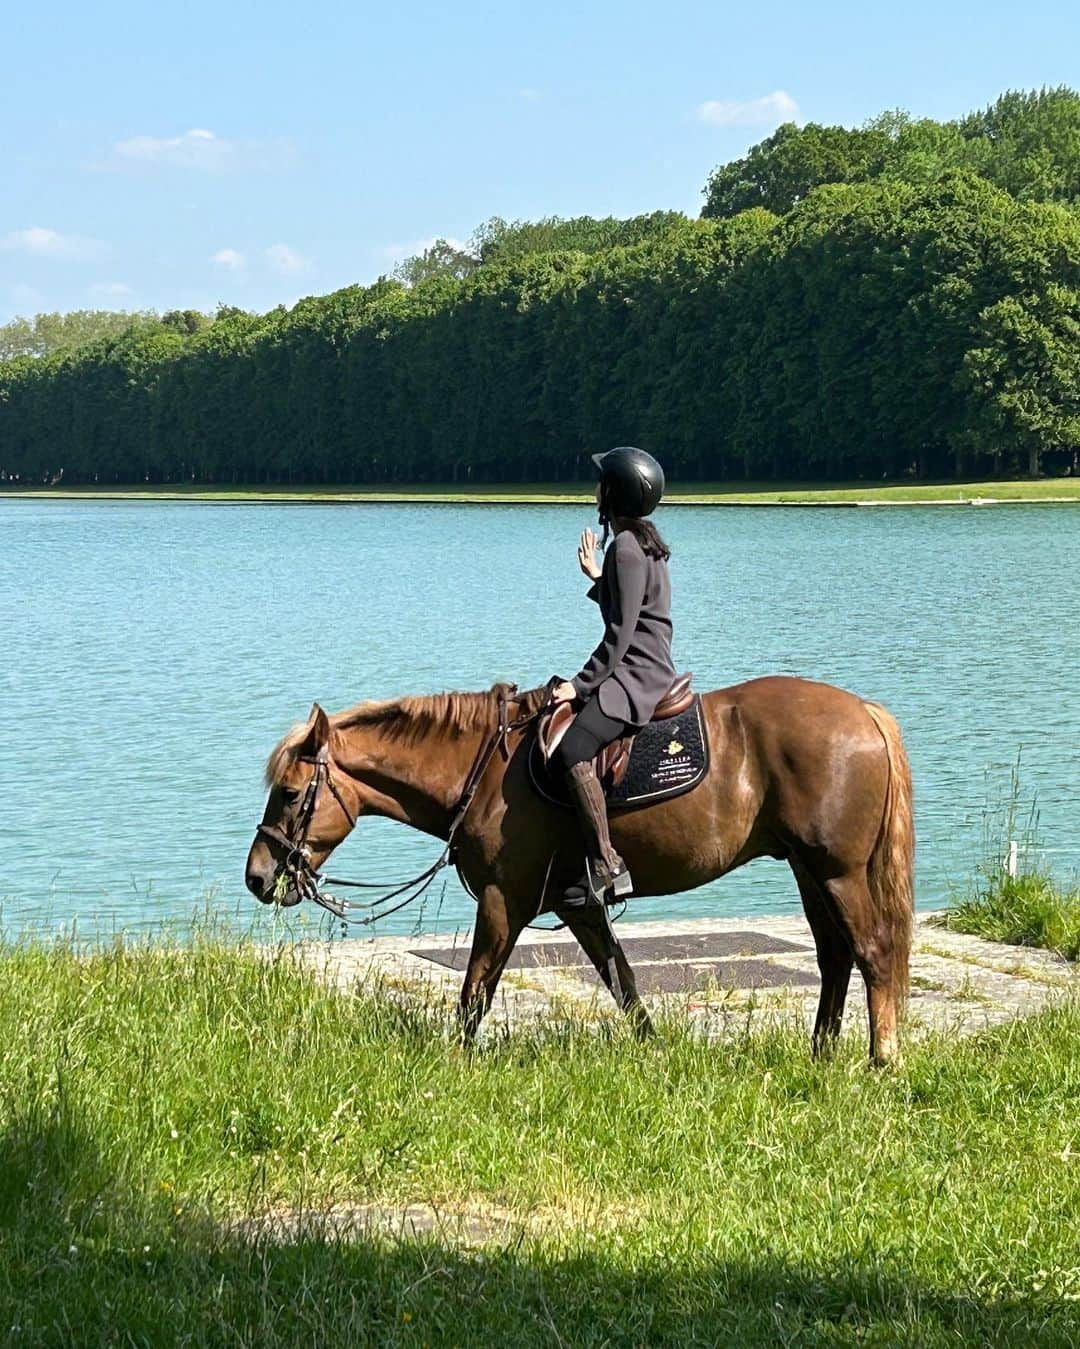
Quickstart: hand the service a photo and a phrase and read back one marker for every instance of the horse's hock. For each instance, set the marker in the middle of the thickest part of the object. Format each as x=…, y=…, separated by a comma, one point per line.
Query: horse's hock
x=719, y=973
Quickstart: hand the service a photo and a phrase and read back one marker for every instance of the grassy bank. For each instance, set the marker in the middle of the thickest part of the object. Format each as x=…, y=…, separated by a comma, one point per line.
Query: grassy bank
x=1025, y=910
x=698, y=494
x=678, y=1193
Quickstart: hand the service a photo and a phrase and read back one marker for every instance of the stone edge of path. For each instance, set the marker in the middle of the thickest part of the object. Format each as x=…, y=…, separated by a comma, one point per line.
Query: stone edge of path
x=960, y=983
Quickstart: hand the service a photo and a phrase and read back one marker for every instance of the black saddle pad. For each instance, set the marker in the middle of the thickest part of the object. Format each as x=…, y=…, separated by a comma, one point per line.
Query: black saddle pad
x=668, y=758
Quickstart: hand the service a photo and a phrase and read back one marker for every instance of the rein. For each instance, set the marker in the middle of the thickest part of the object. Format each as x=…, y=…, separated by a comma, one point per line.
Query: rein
x=308, y=882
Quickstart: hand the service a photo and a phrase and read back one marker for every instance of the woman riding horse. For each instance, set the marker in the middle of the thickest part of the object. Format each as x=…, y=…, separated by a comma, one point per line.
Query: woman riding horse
x=798, y=770
x=631, y=668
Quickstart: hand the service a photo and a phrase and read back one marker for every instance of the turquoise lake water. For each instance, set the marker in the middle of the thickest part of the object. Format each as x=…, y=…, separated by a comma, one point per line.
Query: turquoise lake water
x=153, y=653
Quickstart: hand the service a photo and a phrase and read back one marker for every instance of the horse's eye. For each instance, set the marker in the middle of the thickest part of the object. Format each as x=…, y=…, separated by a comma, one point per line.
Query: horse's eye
x=289, y=795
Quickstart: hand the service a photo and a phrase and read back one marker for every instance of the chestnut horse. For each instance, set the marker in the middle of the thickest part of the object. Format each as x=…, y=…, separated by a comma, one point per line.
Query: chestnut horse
x=799, y=770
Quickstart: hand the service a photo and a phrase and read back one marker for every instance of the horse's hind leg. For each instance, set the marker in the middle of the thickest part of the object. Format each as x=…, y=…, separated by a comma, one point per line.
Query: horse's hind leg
x=834, y=955
x=591, y=927
x=873, y=950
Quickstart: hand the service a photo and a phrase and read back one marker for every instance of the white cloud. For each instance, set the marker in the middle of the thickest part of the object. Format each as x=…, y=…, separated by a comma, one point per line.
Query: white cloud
x=286, y=259
x=201, y=150
x=770, y=110
x=46, y=243
x=111, y=290
x=229, y=258
x=195, y=149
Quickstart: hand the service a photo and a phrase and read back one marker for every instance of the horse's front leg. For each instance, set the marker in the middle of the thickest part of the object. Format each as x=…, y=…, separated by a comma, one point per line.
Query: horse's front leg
x=591, y=926
x=496, y=932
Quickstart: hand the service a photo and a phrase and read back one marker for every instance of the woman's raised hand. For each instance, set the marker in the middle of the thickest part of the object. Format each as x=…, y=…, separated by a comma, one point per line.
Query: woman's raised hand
x=586, y=555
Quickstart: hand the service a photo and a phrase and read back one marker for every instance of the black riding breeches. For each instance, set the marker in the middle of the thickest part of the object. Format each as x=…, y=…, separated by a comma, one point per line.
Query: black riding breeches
x=590, y=730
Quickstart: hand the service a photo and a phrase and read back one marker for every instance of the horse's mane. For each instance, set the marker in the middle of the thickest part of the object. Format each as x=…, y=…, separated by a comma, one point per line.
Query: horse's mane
x=410, y=719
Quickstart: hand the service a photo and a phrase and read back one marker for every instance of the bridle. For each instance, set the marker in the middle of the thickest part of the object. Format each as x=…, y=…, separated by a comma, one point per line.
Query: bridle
x=297, y=862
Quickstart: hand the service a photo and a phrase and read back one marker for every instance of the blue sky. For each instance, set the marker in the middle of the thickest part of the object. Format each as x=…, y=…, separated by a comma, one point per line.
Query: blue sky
x=189, y=154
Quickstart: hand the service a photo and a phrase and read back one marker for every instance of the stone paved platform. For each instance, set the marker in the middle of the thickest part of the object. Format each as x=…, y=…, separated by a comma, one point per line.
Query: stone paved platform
x=716, y=971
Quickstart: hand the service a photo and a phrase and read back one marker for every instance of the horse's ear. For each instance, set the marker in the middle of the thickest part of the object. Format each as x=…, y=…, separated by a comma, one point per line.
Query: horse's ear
x=318, y=736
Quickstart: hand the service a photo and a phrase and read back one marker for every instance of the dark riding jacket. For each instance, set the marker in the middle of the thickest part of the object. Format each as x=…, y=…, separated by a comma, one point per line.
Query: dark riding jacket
x=631, y=668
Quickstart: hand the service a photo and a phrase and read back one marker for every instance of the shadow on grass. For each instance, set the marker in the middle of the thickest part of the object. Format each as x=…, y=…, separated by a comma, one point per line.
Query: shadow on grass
x=84, y=1259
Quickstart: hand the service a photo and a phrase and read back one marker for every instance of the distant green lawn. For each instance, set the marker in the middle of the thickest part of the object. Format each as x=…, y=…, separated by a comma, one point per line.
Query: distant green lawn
x=680, y=1193
x=730, y=494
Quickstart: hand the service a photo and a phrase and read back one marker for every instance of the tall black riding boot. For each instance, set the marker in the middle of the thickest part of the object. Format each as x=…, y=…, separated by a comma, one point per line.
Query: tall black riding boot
x=604, y=868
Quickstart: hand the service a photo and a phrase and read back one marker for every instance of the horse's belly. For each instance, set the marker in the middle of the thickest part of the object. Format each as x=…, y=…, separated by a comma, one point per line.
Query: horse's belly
x=687, y=842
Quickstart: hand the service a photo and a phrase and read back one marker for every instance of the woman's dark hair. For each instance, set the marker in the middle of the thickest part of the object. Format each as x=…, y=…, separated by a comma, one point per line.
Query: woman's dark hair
x=646, y=533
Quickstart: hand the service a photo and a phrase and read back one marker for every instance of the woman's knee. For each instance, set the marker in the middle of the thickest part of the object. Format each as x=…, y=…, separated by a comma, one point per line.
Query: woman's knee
x=576, y=746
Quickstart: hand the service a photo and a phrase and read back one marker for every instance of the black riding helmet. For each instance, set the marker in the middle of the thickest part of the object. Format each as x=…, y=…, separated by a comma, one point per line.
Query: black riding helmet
x=632, y=479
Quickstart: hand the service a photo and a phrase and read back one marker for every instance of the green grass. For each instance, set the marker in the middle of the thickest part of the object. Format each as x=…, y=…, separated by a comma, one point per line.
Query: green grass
x=677, y=1193
x=1025, y=910
x=714, y=494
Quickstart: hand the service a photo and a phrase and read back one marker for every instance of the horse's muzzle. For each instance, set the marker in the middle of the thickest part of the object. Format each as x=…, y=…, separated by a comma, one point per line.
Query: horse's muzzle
x=260, y=874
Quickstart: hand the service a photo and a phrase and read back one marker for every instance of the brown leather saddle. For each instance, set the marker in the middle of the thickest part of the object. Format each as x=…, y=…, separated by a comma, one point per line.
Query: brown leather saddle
x=612, y=760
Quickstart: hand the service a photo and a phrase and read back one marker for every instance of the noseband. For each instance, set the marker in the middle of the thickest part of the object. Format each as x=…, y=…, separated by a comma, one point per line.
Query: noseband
x=308, y=882
x=297, y=864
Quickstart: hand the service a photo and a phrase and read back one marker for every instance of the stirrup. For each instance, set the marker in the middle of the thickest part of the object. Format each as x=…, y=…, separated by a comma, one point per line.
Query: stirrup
x=585, y=892
x=620, y=887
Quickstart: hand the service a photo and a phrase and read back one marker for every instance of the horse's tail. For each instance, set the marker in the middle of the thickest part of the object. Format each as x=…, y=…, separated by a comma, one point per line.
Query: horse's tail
x=891, y=868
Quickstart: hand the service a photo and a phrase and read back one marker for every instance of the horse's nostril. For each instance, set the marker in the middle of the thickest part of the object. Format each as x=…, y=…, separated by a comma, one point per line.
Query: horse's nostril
x=255, y=883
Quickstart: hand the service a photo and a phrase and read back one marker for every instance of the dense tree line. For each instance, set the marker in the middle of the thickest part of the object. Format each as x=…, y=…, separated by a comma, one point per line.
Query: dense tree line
x=46, y=334
x=1027, y=143
x=921, y=321
x=499, y=241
